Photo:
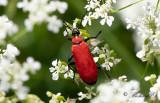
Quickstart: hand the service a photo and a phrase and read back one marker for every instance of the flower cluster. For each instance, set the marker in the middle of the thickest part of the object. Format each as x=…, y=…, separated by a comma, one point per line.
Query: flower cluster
x=31, y=98
x=87, y=95
x=60, y=68
x=154, y=90
x=96, y=10
x=105, y=56
x=148, y=28
x=3, y=2
x=13, y=74
x=7, y=28
x=4, y=99
x=40, y=10
x=57, y=98
x=118, y=92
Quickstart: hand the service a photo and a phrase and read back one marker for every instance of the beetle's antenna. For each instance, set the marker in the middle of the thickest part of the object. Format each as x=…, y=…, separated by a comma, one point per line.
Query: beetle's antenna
x=67, y=25
x=82, y=19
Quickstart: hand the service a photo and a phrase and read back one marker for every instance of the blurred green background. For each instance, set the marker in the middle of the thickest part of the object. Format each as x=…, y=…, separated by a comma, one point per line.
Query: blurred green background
x=45, y=47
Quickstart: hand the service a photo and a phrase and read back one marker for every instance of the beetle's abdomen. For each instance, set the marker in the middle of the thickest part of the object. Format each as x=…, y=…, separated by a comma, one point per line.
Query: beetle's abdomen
x=85, y=64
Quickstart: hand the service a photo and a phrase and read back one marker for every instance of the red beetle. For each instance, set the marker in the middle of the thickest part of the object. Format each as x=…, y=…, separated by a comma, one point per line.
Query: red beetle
x=85, y=64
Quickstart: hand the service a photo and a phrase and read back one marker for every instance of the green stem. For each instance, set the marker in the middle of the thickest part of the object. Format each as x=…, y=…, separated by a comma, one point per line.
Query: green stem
x=19, y=35
x=11, y=97
x=87, y=29
x=126, y=6
x=103, y=1
x=146, y=69
x=156, y=6
x=15, y=38
x=11, y=9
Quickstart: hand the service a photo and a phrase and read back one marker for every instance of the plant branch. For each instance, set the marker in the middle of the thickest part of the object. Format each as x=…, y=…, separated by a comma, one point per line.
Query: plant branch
x=126, y=6
x=16, y=37
x=145, y=71
x=156, y=6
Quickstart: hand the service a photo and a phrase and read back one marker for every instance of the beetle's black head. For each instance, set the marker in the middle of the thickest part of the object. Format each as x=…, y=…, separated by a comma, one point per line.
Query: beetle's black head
x=75, y=32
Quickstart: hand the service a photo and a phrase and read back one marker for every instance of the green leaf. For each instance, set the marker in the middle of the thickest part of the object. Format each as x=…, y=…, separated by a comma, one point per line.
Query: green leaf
x=84, y=33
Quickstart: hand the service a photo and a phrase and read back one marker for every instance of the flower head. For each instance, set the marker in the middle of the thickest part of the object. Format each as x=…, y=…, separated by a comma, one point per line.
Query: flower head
x=118, y=92
x=60, y=68
x=87, y=95
x=99, y=10
x=106, y=56
x=7, y=28
x=39, y=12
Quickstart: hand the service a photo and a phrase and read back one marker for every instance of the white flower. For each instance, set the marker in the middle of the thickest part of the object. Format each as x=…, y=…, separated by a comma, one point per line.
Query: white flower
x=49, y=94
x=57, y=68
x=96, y=50
x=6, y=28
x=69, y=74
x=13, y=74
x=140, y=54
x=40, y=11
x=31, y=65
x=155, y=89
x=55, y=98
x=96, y=59
x=148, y=29
x=99, y=10
x=107, y=19
x=3, y=2
x=116, y=61
x=87, y=19
x=54, y=24
x=82, y=96
x=22, y=92
x=105, y=56
x=106, y=65
x=60, y=6
x=11, y=52
x=103, y=10
x=131, y=23
x=86, y=95
x=92, y=4
x=151, y=77
x=118, y=92
x=122, y=78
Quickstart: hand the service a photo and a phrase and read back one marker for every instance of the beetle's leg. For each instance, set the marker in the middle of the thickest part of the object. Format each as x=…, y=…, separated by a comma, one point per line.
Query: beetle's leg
x=82, y=19
x=68, y=36
x=67, y=31
x=70, y=58
x=93, y=37
x=69, y=68
x=69, y=64
x=67, y=25
x=104, y=72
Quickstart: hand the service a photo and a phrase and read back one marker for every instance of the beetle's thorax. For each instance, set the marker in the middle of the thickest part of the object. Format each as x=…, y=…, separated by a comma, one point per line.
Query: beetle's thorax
x=77, y=40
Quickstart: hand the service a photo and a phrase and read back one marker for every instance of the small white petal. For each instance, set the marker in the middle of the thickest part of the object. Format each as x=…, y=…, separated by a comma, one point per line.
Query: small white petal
x=102, y=21
x=54, y=63
x=55, y=76
x=140, y=54
x=96, y=59
x=147, y=78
